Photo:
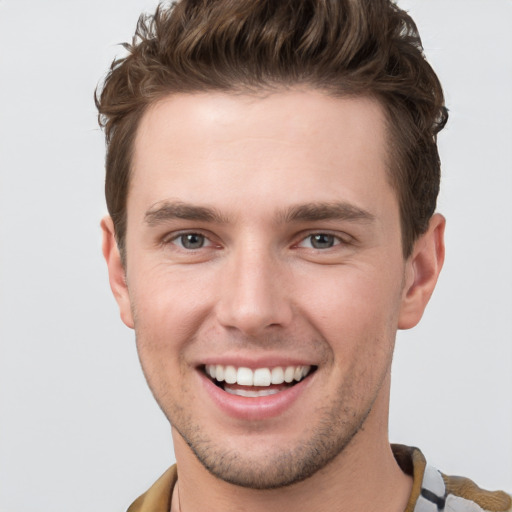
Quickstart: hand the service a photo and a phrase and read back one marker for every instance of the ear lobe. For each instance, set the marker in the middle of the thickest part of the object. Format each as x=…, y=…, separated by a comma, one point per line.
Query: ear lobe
x=116, y=271
x=422, y=270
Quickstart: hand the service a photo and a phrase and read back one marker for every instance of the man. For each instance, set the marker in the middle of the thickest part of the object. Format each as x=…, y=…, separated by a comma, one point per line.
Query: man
x=272, y=174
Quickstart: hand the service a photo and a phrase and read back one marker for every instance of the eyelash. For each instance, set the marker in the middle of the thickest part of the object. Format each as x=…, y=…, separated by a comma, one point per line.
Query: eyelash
x=180, y=236
x=336, y=240
x=177, y=237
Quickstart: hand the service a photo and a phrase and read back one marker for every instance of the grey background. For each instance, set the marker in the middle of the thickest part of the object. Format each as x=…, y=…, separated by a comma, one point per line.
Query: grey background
x=78, y=427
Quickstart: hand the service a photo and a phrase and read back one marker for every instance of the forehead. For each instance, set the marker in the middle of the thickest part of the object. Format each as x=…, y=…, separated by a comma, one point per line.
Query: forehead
x=283, y=146
x=295, y=114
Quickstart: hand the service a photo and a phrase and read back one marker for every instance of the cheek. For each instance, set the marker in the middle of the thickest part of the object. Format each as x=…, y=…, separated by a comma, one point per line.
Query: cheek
x=353, y=308
x=166, y=296
x=168, y=307
x=164, y=312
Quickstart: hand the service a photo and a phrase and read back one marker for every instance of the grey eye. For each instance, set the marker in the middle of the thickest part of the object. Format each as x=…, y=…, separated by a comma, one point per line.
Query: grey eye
x=192, y=241
x=322, y=241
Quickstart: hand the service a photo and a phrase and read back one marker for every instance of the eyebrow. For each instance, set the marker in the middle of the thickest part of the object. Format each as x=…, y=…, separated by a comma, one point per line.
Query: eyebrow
x=309, y=212
x=169, y=210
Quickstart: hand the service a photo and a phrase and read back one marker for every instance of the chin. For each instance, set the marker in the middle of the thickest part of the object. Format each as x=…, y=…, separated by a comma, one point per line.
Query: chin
x=277, y=465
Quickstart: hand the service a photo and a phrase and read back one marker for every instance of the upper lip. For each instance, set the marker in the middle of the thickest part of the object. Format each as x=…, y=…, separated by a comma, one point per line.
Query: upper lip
x=255, y=363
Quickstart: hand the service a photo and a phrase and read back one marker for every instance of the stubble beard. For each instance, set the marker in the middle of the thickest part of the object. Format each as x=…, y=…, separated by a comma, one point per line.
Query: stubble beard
x=339, y=421
x=280, y=466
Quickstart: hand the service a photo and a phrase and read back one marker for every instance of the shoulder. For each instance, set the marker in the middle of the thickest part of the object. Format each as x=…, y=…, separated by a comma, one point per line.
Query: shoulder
x=434, y=491
x=158, y=497
x=463, y=494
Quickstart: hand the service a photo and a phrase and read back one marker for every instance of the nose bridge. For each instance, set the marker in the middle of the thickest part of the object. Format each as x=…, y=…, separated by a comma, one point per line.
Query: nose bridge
x=253, y=295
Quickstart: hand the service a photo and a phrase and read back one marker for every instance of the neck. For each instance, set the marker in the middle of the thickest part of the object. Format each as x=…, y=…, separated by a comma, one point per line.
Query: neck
x=365, y=476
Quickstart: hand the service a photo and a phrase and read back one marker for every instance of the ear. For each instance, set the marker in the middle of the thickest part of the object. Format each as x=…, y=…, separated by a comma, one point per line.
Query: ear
x=116, y=271
x=421, y=272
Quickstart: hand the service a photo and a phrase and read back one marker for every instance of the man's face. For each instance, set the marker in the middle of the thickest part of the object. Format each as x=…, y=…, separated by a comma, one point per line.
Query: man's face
x=263, y=235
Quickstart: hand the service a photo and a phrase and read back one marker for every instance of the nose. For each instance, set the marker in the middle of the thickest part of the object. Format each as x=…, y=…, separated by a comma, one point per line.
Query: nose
x=253, y=293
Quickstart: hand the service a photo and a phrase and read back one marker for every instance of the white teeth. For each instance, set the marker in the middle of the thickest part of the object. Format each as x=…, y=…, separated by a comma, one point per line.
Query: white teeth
x=244, y=377
x=250, y=393
x=278, y=375
x=262, y=377
x=289, y=374
x=259, y=377
x=230, y=374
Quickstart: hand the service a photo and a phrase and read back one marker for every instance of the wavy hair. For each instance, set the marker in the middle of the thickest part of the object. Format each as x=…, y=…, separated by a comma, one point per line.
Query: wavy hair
x=342, y=47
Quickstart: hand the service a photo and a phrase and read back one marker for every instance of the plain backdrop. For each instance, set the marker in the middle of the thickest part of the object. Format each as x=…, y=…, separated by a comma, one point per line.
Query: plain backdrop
x=79, y=429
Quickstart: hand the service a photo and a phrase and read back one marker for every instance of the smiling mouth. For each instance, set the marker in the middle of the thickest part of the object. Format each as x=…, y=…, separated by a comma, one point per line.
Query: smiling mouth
x=259, y=382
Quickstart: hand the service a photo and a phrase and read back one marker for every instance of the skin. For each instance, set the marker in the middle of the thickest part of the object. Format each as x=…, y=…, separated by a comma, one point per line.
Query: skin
x=259, y=291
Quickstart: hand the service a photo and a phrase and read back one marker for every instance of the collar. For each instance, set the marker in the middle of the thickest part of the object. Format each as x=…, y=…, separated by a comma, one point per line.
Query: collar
x=431, y=490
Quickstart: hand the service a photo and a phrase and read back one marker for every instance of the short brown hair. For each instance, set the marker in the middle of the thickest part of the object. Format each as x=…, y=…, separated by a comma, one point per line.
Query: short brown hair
x=342, y=47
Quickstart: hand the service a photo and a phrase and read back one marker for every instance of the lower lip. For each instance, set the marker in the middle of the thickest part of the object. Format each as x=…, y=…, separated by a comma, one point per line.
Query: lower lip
x=257, y=408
